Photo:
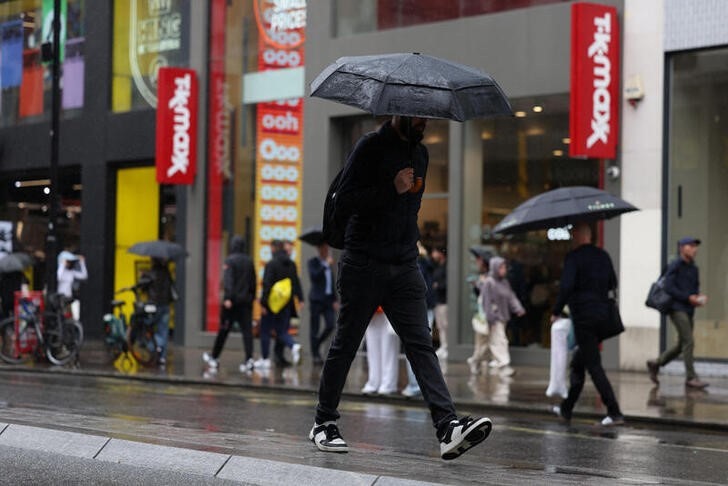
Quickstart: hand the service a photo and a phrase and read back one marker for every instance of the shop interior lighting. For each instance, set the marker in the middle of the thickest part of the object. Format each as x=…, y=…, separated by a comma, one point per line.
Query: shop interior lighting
x=537, y=109
x=32, y=183
x=566, y=141
x=46, y=190
x=535, y=131
x=558, y=153
x=486, y=135
x=520, y=114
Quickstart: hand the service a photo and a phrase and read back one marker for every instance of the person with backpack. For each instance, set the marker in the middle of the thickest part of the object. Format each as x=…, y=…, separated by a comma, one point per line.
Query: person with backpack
x=373, y=205
x=239, y=287
x=682, y=283
x=280, y=285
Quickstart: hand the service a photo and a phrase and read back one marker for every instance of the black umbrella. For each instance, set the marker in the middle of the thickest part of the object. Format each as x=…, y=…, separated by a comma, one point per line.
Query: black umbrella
x=480, y=252
x=15, y=262
x=561, y=207
x=313, y=236
x=158, y=249
x=411, y=84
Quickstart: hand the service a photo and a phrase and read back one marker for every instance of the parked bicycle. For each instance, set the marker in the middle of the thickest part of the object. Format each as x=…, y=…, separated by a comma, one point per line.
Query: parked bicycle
x=115, y=329
x=34, y=332
x=140, y=339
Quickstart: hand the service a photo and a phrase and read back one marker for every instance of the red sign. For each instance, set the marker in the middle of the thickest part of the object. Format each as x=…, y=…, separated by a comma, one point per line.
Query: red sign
x=176, y=126
x=594, y=81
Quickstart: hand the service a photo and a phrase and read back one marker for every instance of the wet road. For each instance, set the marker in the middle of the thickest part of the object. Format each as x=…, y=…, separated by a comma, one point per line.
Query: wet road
x=394, y=439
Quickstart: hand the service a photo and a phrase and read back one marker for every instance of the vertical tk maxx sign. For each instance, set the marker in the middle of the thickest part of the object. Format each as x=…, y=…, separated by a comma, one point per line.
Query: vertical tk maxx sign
x=594, y=112
x=176, y=147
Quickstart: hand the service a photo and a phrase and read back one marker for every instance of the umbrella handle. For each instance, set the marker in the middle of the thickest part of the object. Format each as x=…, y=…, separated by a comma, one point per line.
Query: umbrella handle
x=416, y=186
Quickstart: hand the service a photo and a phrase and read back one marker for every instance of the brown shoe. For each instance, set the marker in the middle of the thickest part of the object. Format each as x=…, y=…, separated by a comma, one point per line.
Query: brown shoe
x=696, y=383
x=653, y=368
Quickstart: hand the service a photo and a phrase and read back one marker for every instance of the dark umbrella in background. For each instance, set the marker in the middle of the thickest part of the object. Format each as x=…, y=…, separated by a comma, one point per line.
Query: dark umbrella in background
x=480, y=252
x=313, y=236
x=561, y=207
x=412, y=84
x=158, y=249
x=15, y=262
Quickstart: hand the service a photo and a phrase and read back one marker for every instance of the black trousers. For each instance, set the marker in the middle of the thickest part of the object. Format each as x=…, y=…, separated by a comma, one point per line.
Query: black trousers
x=587, y=357
x=243, y=315
x=318, y=309
x=363, y=285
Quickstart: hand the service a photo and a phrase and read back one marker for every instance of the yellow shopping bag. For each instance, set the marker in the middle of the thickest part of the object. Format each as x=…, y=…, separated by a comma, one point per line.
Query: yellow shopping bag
x=280, y=295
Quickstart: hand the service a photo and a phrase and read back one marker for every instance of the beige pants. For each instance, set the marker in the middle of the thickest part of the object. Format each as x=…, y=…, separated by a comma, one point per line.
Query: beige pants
x=498, y=344
x=480, y=351
x=441, y=323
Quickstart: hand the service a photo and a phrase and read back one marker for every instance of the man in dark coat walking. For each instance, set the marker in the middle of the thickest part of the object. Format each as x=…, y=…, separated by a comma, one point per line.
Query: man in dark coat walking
x=587, y=278
x=322, y=298
x=239, y=287
x=683, y=284
x=379, y=196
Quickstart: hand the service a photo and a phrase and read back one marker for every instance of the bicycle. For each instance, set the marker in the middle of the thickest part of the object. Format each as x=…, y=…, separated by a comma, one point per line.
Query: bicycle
x=140, y=339
x=34, y=332
x=115, y=329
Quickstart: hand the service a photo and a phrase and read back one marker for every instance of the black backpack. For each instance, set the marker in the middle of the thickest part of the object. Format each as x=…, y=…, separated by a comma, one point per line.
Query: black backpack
x=334, y=224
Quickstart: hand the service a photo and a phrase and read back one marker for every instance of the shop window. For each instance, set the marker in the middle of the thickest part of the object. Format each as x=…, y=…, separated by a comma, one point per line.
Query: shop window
x=523, y=156
x=25, y=80
x=697, y=185
x=359, y=16
x=147, y=36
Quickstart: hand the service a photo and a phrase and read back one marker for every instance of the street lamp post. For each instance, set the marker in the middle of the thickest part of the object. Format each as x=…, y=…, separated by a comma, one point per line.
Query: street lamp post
x=53, y=196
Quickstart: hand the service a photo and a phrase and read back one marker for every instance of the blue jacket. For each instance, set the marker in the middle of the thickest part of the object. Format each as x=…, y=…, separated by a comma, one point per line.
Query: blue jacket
x=317, y=274
x=682, y=281
x=382, y=224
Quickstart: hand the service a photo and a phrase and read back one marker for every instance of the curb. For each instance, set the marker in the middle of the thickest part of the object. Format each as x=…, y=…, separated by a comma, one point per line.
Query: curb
x=542, y=409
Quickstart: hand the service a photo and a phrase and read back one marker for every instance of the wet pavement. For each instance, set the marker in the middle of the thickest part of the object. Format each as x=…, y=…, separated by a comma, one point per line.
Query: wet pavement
x=393, y=439
x=640, y=400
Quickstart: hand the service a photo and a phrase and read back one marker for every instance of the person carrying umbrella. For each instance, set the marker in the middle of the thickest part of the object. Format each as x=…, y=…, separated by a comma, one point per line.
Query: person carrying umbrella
x=379, y=268
x=160, y=288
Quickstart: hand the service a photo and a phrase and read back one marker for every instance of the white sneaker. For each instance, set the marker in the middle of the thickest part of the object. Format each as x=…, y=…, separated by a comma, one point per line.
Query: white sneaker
x=411, y=391
x=474, y=366
x=209, y=360
x=296, y=354
x=247, y=366
x=262, y=364
x=461, y=435
x=441, y=353
x=327, y=437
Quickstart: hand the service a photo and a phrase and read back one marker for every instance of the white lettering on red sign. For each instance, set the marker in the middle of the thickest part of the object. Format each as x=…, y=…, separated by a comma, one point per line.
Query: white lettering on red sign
x=287, y=123
x=598, y=50
x=270, y=150
x=179, y=104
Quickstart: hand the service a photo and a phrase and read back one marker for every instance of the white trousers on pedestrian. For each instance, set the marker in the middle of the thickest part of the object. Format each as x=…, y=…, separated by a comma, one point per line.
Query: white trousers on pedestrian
x=441, y=323
x=559, y=358
x=382, y=356
x=480, y=350
x=498, y=344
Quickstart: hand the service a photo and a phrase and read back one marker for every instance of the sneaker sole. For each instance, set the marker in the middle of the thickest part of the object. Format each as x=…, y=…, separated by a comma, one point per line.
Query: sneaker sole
x=473, y=438
x=326, y=448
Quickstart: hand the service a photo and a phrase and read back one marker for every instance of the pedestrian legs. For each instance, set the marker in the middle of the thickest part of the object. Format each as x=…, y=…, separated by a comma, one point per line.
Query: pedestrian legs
x=480, y=353
x=498, y=344
x=684, y=325
x=162, y=333
x=382, y=356
x=441, y=323
x=320, y=309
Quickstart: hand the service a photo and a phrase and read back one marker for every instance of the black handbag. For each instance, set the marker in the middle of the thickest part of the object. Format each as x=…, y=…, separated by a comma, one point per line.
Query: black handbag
x=658, y=298
x=613, y=325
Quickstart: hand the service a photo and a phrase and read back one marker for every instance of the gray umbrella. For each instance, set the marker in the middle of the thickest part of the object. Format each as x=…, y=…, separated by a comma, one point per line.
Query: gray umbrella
x=411, y=84
x=561, y=207
x=15, y=262
x=158, y=249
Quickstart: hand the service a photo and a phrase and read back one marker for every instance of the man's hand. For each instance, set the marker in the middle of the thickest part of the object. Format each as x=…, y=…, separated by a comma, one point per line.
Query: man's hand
x=404, y=180
x=554, y=318
x=337, y=306
x=330, y=261
x=697, y=300
x=227, y=303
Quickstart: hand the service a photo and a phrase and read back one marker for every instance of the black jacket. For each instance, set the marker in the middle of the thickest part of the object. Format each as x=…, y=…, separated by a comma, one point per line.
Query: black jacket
x=439, y=282
x=682, y=281
x=587, y=278
x=239, y=282
x=317, y=274
x=158, y=284
x=382, y=223
x=279, y=267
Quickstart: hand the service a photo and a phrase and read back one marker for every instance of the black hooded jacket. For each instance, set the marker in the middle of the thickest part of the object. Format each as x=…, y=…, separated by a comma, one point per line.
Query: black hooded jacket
x=278, y=268
x=239, y=282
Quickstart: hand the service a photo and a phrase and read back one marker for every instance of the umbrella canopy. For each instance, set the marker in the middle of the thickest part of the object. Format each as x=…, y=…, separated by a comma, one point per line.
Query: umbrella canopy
x=15, y=262
x=480, y=252
x=560, y=207
x=158, y=249
x=411, y=84
x=313, y=236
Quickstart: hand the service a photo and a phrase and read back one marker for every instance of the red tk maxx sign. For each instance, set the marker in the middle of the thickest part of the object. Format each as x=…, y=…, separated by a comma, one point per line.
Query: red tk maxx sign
x=594, y=113
x=176, y=150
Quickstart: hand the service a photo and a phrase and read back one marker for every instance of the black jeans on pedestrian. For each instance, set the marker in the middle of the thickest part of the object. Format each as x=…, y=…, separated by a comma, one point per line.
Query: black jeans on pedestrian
x=317, y=309
x=243, y=315
x=587, y=357
x=364, y=285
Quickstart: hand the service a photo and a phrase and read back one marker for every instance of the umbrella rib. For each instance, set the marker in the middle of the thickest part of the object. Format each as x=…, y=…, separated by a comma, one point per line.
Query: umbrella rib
x=384, y=84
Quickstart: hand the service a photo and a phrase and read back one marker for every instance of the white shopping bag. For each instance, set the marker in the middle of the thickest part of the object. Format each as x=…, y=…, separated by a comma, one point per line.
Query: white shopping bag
x=559, y=358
